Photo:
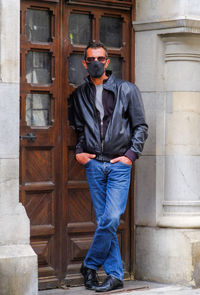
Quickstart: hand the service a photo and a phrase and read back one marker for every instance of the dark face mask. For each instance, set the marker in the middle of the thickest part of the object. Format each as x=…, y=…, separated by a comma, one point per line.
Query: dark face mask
x=96, y=69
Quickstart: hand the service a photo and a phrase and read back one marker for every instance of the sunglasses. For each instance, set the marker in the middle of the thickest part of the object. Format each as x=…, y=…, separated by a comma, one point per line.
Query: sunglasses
x=99, y=58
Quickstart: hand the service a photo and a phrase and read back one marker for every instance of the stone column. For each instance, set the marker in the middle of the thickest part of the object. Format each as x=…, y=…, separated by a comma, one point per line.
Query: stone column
x=167, y=176
x=18, y=262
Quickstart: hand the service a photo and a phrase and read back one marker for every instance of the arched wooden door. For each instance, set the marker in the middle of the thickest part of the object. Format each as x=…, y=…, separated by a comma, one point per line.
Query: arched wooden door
x=53, y=185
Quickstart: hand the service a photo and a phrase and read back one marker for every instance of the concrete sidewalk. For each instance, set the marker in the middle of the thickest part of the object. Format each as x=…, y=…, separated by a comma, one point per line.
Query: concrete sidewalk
x=130, y=288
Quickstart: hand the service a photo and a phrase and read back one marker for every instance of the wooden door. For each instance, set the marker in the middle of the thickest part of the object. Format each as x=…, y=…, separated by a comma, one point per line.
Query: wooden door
x=40, y=173
x=53, y=186
x=112, y=27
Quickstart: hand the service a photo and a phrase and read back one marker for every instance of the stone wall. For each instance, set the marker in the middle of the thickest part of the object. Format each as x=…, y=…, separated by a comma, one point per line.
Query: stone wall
x=167, y=176
x=18, y=262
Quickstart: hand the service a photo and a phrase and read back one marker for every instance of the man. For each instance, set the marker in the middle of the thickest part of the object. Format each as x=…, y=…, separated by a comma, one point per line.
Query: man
x=109, y=119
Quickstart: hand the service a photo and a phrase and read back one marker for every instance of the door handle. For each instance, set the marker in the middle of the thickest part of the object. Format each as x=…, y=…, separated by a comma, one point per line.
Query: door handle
x=29, y=137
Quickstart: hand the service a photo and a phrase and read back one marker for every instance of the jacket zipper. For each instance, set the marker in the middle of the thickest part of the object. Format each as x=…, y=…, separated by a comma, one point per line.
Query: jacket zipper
x=102, y=141
x=101, y=129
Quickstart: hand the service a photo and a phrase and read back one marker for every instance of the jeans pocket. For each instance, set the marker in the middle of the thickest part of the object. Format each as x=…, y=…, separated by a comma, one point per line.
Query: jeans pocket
x=129, y=165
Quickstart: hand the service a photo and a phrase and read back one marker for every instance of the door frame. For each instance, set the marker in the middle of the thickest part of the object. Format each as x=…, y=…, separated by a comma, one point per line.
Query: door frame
x=118, y=5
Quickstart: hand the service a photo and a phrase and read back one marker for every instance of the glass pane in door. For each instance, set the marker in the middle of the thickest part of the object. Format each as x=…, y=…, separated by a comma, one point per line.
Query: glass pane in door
x=38, y=25
x=76, y=71
x=38, y=67
x=79, y=28
x=38, y=109
x=111, y=31
x=116, y=66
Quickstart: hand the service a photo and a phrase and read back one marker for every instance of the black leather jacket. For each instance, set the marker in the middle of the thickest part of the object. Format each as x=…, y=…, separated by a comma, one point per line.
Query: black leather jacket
x=126, y=130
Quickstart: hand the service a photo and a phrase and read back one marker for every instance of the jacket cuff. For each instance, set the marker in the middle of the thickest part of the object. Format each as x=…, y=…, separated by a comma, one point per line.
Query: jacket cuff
x=131, y=155
x=78, y=150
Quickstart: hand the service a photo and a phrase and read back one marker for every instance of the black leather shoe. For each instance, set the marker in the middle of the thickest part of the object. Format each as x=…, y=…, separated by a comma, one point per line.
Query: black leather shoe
x=90, y=277
x=109, y=284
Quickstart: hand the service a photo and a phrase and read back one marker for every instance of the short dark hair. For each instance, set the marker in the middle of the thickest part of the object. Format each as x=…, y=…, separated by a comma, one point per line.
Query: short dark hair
x=92, y=44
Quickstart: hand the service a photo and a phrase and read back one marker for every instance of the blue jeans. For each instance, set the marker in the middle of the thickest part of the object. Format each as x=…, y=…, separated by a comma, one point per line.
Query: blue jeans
x=109, y=186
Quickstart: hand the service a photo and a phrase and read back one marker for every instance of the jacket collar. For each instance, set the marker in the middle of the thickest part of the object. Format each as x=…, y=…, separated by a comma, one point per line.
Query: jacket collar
x=109, y=84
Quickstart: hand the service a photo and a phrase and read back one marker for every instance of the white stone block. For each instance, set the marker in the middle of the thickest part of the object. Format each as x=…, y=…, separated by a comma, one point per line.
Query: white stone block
x=149, y=100
x=153, y=10
x=192, y=8
x=145, y=191
x=9, y=185
x=166, y=9
x=9, y=37
x=182, y=178
x=186, y=102
x=149, y=61
x=182, y=123
x=18, y=270
x=183, y=132
x=9, y=195
x=14, y=226
x=178, y=79
x=9, y=120
x=9, y=168
x=168, y=255
x=154, y=104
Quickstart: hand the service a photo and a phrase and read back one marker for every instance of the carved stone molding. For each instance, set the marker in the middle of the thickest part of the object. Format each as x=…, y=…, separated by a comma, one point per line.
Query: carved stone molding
x=182, y=57
x=181, y=47
x=183, y=207
x=181, y=24
x=181, y=221
x=181, y=51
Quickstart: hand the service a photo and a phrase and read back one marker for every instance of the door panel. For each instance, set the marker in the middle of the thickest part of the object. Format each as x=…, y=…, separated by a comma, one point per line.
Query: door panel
x=108, y=26
x=40, y=157
x=53, y=186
